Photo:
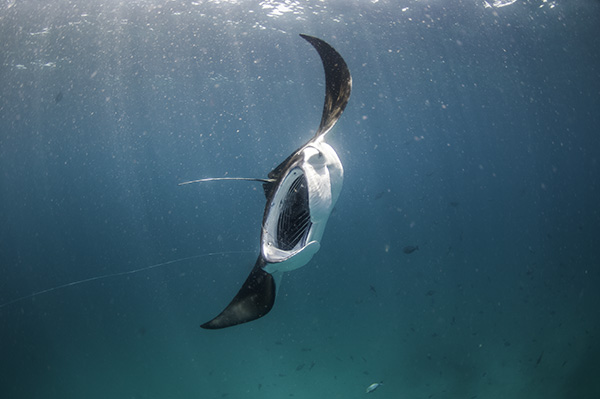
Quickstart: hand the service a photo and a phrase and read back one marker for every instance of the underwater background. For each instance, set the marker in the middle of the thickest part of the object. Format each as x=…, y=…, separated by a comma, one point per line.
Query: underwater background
x=472, y=132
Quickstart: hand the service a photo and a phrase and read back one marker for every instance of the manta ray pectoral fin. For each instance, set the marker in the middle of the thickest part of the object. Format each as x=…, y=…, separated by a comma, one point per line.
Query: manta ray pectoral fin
x=338, y=83
x=338, y=86
x=266, y=181
x=254, y=300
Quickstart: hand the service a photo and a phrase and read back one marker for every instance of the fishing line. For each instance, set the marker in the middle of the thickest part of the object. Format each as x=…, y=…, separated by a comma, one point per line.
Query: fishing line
x=117, y=274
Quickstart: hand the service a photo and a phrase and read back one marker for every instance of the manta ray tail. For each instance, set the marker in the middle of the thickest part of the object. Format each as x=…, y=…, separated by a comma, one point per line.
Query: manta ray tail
x=227, y=178
x=254, y=300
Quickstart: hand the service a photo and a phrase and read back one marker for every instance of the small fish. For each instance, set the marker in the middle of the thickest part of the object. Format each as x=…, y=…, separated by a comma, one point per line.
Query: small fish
x=374, y=386
x=409, y=249
x=539, y=359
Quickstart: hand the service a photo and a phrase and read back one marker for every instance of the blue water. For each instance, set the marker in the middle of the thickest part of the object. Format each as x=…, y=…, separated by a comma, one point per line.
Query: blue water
x=472, y=132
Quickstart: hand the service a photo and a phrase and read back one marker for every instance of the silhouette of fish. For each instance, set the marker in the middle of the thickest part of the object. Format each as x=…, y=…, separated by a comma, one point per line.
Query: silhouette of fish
x=373, y=289
x=374, y=386
x=409, y=249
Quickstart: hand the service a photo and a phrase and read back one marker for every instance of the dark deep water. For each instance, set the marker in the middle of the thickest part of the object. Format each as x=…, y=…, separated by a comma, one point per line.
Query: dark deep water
x=472, y=132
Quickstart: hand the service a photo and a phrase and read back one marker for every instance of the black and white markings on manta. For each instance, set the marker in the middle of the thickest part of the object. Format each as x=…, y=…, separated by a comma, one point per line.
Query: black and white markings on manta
x=301, y=193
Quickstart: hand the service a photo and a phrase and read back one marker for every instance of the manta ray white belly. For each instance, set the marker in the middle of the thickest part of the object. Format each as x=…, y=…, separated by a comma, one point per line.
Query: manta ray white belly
x=297, y=215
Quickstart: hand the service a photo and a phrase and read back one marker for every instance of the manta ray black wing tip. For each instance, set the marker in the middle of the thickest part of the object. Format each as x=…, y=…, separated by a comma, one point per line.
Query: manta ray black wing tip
x=254, y=300
x=338, y=83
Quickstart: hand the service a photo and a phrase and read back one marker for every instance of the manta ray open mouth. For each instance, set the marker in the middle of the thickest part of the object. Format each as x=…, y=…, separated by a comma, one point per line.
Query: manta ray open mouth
x=294, y=220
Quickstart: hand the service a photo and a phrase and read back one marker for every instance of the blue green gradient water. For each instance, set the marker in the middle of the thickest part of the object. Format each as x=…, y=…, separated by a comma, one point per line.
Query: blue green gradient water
x=472, y=132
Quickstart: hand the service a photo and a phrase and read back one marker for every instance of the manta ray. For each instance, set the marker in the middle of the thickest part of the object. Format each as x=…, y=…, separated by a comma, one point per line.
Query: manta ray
x=301, y=193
